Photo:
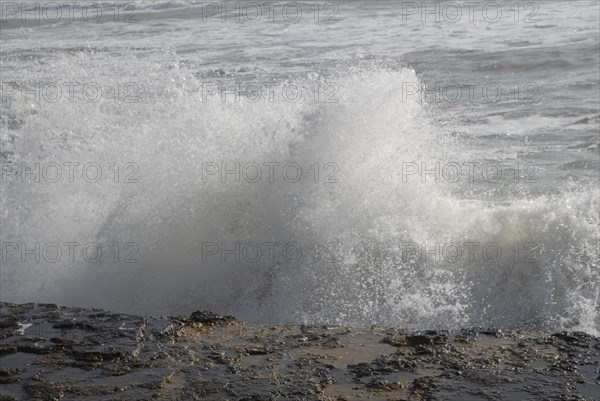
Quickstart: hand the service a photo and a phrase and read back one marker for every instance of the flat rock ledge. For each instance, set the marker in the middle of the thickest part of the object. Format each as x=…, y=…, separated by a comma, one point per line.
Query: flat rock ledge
x=48, y=352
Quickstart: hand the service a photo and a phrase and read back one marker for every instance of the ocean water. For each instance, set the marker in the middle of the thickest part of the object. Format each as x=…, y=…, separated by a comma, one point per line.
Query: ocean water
x=343, y=163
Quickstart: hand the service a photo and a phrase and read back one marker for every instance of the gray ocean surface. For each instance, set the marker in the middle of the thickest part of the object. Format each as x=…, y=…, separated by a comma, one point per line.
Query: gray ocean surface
x=384, y=109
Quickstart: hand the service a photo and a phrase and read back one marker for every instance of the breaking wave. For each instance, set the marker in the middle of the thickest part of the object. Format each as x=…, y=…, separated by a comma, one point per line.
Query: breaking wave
x=352, y=240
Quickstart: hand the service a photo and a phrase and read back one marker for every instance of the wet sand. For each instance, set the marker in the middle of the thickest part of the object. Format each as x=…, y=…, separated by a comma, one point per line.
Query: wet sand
x=49, y=352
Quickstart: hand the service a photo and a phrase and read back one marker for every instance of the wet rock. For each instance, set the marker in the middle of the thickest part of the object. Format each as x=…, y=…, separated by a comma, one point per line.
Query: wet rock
x=427, y=338
x=492, y=332
x=210, y=318
x=578, y=339
x=383, y=385
x=421, y=388
x=362, y=369
x=395, y=339
x=8, y=375
x=258, y=351
x=51, y=353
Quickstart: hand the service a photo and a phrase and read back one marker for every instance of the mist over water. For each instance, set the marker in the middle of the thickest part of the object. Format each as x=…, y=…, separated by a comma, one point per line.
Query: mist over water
x=358, y=238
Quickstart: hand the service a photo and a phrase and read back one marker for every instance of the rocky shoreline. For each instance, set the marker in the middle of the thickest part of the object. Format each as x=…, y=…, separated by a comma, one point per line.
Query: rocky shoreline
x=49, y=352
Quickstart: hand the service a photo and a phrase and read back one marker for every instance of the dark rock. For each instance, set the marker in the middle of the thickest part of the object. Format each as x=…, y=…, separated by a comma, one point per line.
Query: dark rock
x=576, y=338
x=210, y=318
x=52, y=353
x=491, y=332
